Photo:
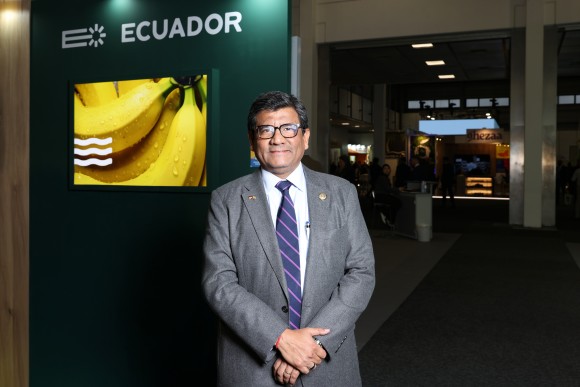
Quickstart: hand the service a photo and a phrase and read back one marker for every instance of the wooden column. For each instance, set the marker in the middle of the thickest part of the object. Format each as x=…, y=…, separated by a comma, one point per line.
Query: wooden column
x=14, y=191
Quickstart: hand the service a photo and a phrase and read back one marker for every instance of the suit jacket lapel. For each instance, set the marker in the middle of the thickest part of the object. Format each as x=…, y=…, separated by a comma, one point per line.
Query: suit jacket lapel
x=256, y=203
x=318, y=208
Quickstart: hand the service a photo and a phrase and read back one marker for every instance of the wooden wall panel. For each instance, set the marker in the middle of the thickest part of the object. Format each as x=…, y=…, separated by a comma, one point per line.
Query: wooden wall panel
x=14, y=191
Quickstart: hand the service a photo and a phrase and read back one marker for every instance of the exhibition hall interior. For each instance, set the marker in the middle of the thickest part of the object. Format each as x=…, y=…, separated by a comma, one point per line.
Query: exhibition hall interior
x=439, y=91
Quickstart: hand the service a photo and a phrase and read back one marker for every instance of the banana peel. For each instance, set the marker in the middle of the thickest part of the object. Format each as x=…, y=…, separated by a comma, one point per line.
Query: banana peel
x=126, y=120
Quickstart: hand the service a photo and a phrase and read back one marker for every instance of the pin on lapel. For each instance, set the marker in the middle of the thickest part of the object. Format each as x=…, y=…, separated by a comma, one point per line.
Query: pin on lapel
x=251, y=197
x=322, y=196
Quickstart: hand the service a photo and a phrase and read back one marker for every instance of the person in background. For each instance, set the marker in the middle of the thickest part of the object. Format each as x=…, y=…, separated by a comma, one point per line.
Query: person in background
x=275, y=326
x=575, y=182
x=560, y=183
x=402, y=173
x=363, y=169
x=386, y=194
x=346, y=169
x=571, y=186
x=375, y=171
x=447, y=180
x=421, y=170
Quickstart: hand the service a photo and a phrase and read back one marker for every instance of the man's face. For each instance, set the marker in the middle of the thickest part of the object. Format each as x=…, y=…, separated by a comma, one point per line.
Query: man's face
x=279, y=155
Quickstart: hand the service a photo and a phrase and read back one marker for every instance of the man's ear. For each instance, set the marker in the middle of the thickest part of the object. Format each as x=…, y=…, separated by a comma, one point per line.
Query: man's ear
x=306, y=138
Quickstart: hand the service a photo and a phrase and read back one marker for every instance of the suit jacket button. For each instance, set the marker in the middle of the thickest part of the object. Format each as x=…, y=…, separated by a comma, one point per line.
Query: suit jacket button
x=285, y=309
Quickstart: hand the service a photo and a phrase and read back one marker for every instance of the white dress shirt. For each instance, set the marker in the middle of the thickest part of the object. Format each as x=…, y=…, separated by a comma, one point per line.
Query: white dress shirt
x=300, y=200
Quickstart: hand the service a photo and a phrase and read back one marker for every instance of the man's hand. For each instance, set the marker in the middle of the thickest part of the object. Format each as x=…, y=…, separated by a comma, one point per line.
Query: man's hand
x=299, y=349
x=284, y=373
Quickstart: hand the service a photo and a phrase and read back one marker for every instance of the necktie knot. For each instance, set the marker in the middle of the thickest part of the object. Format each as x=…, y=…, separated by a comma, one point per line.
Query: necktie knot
x=283, y=185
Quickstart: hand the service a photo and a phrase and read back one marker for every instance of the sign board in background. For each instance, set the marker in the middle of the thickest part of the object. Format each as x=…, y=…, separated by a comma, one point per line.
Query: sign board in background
x=115, y=296
x=485, y=136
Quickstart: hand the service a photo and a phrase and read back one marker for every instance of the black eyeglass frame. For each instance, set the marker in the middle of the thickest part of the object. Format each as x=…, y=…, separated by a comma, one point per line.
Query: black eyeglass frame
x=273, y=132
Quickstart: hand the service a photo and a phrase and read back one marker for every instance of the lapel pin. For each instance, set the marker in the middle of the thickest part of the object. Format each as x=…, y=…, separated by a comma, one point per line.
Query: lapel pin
x=252, y=197
x=322, y=196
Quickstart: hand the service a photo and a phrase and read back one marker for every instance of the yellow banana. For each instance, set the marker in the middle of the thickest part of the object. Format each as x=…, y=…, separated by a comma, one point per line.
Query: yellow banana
x=78, y=100
x=176, y=165
x=82, y=179
x=133, y=161
x=127, y=119
x=197, y=172
x=97, y=93
x=202, y=86
x=203, y=181
x=125, y=86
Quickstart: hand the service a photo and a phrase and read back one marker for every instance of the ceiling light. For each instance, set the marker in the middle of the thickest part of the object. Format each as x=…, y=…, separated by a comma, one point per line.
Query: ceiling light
x=422, y=45
x=446, y=76
x=435, y=62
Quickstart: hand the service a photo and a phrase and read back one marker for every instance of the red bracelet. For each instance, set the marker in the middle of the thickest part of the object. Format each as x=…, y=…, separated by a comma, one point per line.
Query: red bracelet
x=277, y=342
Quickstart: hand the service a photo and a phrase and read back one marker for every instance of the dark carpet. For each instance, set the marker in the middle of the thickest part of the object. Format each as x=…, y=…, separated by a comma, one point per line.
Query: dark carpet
x=501, y=308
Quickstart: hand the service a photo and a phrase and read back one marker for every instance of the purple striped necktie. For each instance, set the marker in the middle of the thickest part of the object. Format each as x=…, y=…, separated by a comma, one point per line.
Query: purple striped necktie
x=287, y=233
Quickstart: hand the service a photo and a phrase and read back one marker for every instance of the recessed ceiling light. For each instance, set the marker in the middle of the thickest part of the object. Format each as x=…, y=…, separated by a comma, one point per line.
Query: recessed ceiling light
x=435, y=62
x=446, y=76
x=422, y=45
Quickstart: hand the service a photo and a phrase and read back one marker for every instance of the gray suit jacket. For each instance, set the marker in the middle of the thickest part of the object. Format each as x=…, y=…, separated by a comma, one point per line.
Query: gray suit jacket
x=244, y=283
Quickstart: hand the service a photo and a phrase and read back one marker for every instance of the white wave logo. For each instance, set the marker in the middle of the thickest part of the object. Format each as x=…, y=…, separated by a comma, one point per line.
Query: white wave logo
x=91, y=142
x=99, y=162
x=82, y=37
x=94, y=140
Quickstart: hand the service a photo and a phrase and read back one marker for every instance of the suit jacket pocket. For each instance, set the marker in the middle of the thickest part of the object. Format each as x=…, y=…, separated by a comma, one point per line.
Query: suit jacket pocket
x=328, y=250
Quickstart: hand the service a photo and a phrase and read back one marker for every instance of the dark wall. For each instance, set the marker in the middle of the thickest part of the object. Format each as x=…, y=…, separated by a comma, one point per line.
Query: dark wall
x=115, y=295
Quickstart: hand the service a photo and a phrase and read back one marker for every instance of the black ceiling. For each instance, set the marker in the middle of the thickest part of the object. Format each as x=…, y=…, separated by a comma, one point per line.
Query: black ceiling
x=470, y=60
x=481, y=65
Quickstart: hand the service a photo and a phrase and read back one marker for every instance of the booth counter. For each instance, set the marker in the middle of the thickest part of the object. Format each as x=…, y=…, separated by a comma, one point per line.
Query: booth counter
x=415, y=217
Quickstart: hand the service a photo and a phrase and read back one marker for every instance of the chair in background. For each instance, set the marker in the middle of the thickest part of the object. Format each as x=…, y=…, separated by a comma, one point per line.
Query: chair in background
x=379, y=209
x=364, y=185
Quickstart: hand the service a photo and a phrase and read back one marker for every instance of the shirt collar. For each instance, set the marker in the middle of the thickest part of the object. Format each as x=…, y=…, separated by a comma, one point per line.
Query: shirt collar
x=296, y=178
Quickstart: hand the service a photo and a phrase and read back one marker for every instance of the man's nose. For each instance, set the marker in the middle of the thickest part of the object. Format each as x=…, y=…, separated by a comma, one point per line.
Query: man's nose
x=277, y=137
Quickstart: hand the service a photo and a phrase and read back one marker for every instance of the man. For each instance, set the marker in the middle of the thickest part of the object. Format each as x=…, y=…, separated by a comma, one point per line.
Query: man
x=421, y=170
x=402, y=173
x=387, y=196
x=375, y=171
x=447, y=182
x=575, y=180
x=244, y=277
x=346, y=169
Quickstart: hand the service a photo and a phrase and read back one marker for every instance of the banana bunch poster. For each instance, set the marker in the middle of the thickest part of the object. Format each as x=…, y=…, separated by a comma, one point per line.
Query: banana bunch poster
x=141, y=132
x=137, y=74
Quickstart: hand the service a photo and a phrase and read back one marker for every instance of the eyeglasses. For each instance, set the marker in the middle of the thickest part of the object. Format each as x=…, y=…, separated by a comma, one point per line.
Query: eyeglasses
x=286, y=130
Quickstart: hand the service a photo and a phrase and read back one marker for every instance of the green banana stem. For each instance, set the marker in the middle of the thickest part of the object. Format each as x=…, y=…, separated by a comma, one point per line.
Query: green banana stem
x=189, y=96
x=167, y=82
x=202, y=87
